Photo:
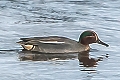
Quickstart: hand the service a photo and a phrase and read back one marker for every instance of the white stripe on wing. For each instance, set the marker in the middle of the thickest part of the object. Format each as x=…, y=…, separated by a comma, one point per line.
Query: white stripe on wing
x=56, y=42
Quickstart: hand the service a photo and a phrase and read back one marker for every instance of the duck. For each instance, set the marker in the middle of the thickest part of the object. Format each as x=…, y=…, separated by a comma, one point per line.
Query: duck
x=58, y=44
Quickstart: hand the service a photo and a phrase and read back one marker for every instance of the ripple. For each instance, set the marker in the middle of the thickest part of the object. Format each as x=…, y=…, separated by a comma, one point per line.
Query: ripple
x=26, y=18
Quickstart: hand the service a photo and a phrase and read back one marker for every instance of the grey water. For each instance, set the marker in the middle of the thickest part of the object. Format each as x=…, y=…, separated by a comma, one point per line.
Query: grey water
x=68, y=18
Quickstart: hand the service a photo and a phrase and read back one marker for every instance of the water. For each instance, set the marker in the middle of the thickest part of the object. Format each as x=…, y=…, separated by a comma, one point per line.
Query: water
x=28, y=18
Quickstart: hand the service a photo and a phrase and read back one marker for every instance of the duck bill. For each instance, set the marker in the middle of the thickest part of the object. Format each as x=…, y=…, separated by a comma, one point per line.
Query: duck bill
x=100, y=42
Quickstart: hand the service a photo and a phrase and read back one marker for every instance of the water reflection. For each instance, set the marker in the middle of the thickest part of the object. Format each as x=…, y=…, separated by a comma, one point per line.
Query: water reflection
x=36, y=56
x=86, y=61
x=84, y=58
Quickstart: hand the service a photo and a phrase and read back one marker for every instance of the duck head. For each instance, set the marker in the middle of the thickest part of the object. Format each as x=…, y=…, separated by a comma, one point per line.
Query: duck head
x=89, y=37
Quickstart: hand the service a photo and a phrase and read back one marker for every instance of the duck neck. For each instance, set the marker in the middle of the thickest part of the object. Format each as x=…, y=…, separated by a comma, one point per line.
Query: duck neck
x=87, y=47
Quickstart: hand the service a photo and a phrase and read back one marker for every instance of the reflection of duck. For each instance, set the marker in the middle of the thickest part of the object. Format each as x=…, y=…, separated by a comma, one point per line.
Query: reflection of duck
x=83, y=57
x=86, y=61
x=55, y=44
x=36, y=56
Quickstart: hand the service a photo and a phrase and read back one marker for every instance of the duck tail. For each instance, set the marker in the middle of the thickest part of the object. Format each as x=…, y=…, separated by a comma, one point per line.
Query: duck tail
x=21, y=43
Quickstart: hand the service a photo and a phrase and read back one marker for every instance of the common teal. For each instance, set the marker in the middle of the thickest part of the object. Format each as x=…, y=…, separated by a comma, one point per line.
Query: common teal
x=56, y=44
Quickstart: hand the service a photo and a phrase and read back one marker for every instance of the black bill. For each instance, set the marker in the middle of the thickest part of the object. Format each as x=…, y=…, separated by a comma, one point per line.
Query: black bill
x=100, y=42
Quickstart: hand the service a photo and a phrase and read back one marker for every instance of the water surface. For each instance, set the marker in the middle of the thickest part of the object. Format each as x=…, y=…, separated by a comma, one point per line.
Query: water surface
x=69, y=18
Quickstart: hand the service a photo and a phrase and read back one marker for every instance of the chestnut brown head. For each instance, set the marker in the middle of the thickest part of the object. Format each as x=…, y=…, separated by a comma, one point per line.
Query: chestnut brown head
x=89, y=37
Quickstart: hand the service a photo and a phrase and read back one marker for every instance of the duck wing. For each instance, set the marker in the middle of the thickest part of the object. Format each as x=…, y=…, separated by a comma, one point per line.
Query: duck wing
x=46, y=40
